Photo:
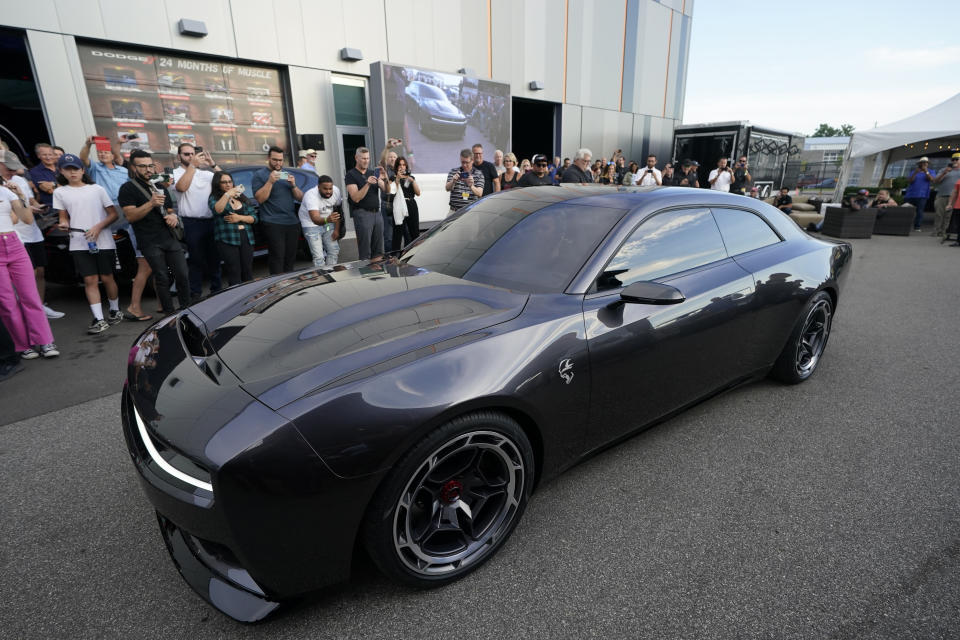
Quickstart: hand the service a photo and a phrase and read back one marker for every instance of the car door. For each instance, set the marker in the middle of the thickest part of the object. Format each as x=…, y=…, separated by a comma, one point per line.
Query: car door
x=647, y=360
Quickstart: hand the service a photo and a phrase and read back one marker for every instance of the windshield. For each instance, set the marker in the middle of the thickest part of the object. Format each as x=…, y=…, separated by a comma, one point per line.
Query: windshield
x=426, y=91
x=534, y=247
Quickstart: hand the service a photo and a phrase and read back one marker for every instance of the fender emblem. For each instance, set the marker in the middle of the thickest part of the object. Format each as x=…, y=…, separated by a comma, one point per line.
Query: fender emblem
x=566, y=370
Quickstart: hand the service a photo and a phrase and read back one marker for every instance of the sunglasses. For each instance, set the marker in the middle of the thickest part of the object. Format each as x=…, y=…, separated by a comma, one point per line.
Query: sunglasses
x=541, y=164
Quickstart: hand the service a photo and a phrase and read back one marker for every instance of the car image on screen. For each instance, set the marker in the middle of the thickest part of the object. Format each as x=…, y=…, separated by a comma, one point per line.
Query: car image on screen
x=433, y=112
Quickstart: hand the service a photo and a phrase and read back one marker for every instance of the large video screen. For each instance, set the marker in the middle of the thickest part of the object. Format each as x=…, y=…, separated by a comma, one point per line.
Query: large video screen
x=156, y=101
x=436, y=114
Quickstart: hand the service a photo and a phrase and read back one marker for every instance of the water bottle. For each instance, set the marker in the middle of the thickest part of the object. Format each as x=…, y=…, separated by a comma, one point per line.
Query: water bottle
x=92, y=246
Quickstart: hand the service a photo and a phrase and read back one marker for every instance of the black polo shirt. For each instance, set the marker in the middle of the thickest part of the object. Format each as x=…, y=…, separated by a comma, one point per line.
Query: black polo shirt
x=151, y=228
x=371, y=201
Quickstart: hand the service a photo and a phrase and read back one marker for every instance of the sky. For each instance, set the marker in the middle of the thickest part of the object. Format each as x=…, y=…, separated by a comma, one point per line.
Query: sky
x=792, y=65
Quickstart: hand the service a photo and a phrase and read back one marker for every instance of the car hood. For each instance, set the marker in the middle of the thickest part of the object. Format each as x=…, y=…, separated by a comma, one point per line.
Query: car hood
x=442, y=107
x=287, y=336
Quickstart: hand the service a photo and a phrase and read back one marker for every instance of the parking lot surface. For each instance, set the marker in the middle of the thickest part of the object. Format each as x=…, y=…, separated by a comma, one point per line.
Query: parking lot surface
x=825, y=510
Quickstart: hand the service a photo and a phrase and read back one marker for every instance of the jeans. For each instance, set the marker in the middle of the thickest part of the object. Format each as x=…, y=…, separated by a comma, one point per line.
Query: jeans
x=237, y=260
x=281, y=245
x=920, y=204
x=204, y=261
x=324, y=249
x=369, y=228
x=20, y=308
x=386, y=213
x=163, y=255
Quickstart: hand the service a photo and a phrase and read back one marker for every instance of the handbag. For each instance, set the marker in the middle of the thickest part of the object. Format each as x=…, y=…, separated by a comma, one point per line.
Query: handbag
x=399, y=207
x=176, y=231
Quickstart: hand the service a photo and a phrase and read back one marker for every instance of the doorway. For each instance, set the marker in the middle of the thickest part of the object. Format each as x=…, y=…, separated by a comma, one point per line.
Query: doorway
x=22, y=123
x=534, y=126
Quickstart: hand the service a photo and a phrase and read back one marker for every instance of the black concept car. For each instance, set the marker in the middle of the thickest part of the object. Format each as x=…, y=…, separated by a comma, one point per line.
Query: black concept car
x=410, y=407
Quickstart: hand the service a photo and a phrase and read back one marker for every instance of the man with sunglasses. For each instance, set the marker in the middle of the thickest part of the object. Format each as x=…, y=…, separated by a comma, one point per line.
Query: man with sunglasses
x=539, y=176
x=192, y=180
x=945, y=181
x=150, y=210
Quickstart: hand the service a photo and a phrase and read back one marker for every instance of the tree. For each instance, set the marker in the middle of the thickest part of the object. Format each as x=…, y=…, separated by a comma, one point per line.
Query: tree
x=826, y=131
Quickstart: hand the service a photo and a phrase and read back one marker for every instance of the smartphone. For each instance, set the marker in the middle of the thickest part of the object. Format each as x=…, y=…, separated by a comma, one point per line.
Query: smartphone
x=464, y=175
x=284, y=175
x=241, y=187
x=198, y=149
x=102, y=143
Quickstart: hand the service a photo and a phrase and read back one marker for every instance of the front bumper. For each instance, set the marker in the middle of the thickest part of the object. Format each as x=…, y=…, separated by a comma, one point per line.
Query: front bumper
x=277, y=523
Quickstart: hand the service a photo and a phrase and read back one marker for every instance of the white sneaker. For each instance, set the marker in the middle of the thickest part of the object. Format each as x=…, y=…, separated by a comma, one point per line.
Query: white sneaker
x=53, y=315
x=49, y=350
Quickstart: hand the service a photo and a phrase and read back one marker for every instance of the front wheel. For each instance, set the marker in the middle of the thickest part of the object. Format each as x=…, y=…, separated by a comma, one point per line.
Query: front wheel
x=801, y=355
x=452, y=501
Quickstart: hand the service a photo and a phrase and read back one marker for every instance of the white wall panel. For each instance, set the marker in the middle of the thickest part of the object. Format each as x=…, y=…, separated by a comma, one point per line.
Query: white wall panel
x=141, y=22
x=654, y=39
x=39, y=14
x=402, y=23
x=65, y=104
x=291, y=38
x=688, y=7
x=81, y=19
x=364, y=28
x=570, y=121
x=213, y=13
x=473, y=37
x=311, y=96
x=594, y=61
x=255, y=30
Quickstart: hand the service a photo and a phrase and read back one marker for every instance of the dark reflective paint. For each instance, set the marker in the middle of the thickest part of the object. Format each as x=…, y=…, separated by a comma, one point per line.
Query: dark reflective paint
x=577, y=371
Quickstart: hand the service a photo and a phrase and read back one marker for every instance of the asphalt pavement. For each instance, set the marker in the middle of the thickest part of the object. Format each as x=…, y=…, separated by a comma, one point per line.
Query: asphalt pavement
x=829, y=509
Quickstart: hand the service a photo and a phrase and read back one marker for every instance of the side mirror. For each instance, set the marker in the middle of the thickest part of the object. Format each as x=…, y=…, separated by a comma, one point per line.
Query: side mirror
x=651, y=293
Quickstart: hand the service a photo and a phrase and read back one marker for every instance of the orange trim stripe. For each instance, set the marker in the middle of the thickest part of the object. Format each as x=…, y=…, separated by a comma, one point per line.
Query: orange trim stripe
x=666, y=79
x=623, y=48
x=489, y=41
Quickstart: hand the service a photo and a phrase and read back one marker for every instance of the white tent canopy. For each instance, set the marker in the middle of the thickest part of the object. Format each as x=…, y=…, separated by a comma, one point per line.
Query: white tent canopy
x=940, y=121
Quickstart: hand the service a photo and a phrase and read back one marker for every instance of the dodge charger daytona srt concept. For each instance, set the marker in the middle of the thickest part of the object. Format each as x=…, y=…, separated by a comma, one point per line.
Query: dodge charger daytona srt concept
x=410, y=407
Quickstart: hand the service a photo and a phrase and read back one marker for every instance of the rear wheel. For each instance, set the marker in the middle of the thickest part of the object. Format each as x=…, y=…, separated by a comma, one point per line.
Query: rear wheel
x=801, y=355
x=452, y=501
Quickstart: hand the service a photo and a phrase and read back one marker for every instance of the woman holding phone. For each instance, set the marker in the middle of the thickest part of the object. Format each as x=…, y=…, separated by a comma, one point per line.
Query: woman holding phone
x=408, y=189
x=233, y=220
x=20, y=307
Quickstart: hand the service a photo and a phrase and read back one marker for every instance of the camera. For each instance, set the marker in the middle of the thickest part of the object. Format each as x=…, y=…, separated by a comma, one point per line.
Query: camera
x=198, y=149
x=464, y=175
x=159, y=179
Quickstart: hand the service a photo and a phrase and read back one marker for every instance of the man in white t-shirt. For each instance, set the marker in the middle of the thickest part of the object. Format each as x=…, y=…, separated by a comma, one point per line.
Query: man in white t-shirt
x=721, y=177
x=321, y=216
x=649, y=176
x=192, y=180
x=30, y=234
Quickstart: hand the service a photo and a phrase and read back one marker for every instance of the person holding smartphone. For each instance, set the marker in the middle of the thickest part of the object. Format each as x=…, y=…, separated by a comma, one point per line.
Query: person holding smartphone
x=233, y=219
x=721, y=178
x=918, y=189
x=465, y=183
x=363, y=190
x=193, y=180
x=277, y=192
x=650, y=176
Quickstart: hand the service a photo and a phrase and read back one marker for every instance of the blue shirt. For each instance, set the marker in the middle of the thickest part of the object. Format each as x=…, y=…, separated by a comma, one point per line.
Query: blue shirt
x=110, y=179
x=919, y=188
x=40, y=174
x=280, y=207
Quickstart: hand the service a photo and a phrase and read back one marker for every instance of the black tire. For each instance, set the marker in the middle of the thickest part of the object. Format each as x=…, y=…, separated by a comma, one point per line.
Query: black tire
x=452, y=501
x=804, y=348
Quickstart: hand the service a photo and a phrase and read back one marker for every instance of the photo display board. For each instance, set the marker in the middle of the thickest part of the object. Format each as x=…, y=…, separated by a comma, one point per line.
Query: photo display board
x=437, y=113
x=235, y=111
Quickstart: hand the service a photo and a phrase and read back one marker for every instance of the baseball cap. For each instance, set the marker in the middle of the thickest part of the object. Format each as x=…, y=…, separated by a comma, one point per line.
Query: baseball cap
x=540, y=158
x=955, y=156
x=307, y=152
x=69, y=160
x=924, y=159
x=10, y=159
x=863, y=192
x=691, y=163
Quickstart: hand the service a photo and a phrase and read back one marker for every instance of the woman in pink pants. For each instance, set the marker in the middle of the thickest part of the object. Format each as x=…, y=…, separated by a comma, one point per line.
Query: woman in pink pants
x=20, y=307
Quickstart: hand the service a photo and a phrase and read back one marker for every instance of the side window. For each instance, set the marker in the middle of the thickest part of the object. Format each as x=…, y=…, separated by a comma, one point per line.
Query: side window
x=743, y=231
x=666, y=243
